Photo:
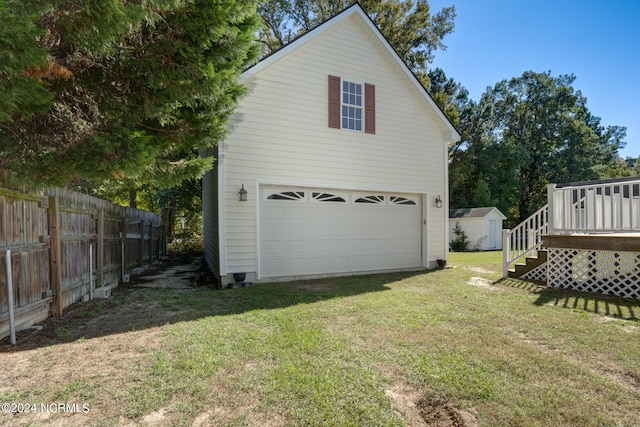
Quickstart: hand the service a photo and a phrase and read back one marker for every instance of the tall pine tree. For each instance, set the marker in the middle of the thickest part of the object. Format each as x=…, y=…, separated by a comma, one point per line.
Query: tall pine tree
x=120, y=91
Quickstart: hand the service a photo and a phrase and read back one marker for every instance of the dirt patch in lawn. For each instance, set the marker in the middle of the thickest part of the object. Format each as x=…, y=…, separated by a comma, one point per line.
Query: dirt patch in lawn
x=418, y=410
x=482, y=283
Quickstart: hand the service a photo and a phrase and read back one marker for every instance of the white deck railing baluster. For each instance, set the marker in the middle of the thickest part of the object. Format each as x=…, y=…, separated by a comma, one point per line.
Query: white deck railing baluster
x=584, y=208
x=523, y=239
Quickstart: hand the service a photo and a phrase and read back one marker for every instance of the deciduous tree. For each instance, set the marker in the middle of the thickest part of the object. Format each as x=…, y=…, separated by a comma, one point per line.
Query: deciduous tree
x=411, y=27
x=525, y=133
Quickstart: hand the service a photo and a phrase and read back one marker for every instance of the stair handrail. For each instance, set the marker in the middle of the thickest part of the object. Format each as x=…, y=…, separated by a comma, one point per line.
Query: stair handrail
x=524, y=238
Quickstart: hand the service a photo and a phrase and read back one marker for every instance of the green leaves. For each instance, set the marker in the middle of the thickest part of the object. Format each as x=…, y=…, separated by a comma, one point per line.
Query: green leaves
x=523, y=134
x=22, y=94
x=409, y=26
x=123, y=91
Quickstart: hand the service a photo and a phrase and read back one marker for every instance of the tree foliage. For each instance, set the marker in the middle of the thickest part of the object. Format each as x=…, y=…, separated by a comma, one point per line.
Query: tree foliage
x=123, y=91
x=453, y=100
x=525, y=133
x=411, y=28
x=21, y=93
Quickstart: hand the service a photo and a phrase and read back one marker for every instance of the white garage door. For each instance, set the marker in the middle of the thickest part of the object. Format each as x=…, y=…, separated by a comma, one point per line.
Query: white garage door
x=320, y=231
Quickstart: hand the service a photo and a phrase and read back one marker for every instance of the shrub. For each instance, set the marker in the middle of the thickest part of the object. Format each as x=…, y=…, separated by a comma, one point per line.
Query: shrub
x=460, y=242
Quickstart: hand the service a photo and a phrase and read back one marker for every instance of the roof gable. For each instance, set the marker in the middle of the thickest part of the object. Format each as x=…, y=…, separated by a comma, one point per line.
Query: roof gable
x=465, y=213
x=356, y=14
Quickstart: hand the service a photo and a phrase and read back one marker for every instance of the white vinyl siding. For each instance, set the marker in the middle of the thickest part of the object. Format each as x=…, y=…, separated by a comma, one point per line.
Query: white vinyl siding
x=278, y=139
x=210, y=226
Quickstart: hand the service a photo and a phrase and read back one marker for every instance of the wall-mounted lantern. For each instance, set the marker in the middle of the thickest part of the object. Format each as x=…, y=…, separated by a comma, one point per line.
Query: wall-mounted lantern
x=243, y=194
x=438, y=201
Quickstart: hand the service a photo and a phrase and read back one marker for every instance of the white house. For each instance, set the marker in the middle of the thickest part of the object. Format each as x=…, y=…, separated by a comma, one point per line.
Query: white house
x=341, y=154
x=483, y=226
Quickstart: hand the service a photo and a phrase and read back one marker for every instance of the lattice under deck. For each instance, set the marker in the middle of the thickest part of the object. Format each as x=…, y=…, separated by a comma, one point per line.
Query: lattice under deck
x=538, y=274
x=606, y=272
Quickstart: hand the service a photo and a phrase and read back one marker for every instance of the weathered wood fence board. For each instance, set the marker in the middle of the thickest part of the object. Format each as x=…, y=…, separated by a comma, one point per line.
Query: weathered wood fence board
x=51, y=234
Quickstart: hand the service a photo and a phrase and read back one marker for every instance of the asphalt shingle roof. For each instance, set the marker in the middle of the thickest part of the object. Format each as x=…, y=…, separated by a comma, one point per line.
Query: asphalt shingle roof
x=470, y=212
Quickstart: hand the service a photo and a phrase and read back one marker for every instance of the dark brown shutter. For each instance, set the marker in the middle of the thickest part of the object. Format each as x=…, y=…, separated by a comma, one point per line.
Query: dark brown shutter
x=334, y=102
x=369, y=108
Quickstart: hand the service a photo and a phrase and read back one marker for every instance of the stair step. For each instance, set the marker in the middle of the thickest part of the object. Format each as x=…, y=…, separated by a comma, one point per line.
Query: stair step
x=531, y=262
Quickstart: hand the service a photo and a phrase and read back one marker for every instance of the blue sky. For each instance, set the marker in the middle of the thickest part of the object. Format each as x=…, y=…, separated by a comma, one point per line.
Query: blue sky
x=598, y=41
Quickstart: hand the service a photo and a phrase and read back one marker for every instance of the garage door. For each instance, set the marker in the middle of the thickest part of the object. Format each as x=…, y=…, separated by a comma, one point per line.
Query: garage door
x=319, y=231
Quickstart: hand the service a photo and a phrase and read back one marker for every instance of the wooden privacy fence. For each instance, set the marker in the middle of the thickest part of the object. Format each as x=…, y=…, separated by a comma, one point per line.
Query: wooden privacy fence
x=66, y=247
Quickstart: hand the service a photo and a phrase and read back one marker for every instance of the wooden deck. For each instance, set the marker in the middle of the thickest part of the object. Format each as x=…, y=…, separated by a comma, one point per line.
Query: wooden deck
x=624, y=242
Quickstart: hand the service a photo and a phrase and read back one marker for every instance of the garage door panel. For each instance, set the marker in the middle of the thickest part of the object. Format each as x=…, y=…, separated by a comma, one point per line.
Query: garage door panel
x=341, y=246
x=294, y=230
x=273, y=246
x=296, y=246
x=317, y=247
x=361, y=262
x=273, y=267
x=310, y=236
x=319, y=263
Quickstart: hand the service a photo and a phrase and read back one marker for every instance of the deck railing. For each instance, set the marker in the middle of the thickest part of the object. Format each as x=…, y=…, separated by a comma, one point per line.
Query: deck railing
x=597, y=207
x=610, y=206
x=523, y=239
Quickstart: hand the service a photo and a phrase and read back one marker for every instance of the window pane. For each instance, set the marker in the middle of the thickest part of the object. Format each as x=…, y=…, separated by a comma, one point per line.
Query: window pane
x=351, y=106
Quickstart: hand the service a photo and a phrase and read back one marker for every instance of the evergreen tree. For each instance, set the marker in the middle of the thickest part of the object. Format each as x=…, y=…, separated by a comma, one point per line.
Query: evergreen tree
x=134, y=88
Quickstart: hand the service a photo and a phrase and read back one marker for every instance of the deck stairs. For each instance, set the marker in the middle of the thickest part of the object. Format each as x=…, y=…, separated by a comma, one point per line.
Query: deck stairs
x=591, y=231
x=531, y=262
x=522, y=247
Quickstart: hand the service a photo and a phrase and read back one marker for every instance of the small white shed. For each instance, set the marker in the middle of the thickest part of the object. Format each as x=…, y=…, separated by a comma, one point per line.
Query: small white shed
x=483, y=226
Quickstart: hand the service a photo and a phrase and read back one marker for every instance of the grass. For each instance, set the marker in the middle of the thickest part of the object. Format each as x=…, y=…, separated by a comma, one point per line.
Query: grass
x=324, y=352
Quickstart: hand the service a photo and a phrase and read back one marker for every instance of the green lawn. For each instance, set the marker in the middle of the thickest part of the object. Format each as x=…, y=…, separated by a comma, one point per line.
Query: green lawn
x=328, y=352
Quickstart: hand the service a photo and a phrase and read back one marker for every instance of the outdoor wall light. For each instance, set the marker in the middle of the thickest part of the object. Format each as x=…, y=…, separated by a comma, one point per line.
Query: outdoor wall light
x=243, y=194
x=438, y=201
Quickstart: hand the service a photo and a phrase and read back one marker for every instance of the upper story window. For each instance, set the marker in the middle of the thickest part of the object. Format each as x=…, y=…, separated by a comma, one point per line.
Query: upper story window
x=352, y=105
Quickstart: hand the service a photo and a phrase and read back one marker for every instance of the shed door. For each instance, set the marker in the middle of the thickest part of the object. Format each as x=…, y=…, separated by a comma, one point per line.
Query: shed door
x=320, y=231
x=493, y=230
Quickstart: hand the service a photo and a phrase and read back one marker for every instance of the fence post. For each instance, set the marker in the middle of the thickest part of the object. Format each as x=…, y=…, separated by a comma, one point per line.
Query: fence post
x=55, y=250
x=141, y=243
x=12, y=320
x=151, y=242
x=123, y=247
x=100, y=248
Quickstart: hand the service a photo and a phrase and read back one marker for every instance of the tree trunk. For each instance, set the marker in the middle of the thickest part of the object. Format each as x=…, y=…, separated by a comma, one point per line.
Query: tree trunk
x=133, y=194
